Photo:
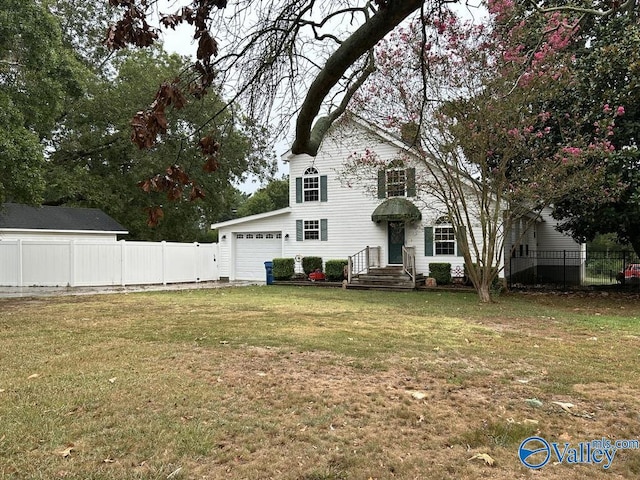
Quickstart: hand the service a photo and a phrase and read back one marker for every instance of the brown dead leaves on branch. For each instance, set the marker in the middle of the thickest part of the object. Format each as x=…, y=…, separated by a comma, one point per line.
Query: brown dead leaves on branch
x=150, y=124
x=174, y=182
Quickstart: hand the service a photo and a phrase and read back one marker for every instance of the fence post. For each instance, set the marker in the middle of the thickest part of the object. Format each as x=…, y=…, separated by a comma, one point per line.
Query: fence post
x=197, y=260
x=164, y=262
x=564, y=269
x=20, y=263
x=624, y=267
x=123, y=262
x=72, y=263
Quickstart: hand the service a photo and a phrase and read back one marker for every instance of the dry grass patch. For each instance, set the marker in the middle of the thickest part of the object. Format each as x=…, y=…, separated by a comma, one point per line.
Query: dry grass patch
x=310, y=384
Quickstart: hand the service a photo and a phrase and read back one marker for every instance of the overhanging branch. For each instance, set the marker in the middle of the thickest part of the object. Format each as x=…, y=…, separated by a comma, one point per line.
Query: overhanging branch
x=355, y=46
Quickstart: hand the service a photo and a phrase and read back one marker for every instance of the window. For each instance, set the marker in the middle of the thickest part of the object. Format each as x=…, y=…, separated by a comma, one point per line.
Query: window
x=259, y=236
x=311, y=230
x=444, y=238
x=268, y=236
x=441, y=239
x=396, y=181
x=311, y=187
x=278, y=235
x=239, y=235
x=249, y=236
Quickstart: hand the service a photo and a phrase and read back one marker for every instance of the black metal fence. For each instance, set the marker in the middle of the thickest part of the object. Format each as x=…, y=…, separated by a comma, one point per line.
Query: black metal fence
x=566, y=268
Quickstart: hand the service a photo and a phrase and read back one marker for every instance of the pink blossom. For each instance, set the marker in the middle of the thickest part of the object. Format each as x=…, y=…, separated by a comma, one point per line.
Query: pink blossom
x=620, y=111
x=607, y=108
x=572, y=150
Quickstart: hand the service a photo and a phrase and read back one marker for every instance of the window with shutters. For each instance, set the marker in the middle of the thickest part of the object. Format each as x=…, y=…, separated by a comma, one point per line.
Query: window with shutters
x=312, y=230
x=311, y=186
x=396, y=180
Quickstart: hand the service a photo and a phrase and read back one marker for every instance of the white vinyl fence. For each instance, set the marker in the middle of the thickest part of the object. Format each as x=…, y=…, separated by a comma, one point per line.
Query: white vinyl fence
x=25, y=263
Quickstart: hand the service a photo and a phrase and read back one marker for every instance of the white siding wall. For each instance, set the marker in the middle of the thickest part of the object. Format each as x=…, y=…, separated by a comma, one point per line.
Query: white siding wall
x=89, y=263
x=550, y=239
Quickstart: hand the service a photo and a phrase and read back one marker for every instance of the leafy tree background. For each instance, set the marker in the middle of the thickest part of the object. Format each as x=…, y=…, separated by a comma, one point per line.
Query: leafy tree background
x=66, y=104
x=39, y=77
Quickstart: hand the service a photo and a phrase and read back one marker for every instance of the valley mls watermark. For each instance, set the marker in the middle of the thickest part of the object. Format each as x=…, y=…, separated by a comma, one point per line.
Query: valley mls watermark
x=536, y=452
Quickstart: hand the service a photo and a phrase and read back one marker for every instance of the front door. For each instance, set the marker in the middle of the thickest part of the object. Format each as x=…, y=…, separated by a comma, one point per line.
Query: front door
x=396, y=242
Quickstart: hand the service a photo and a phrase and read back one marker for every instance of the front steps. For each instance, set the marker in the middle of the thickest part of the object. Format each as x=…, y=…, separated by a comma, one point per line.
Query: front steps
x=385, y=278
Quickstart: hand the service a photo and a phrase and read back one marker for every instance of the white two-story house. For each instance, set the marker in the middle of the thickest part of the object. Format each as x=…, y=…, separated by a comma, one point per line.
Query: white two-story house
x=331, y=217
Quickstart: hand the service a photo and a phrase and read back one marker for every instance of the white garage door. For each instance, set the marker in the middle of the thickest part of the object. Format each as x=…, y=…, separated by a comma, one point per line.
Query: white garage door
x=252, y=250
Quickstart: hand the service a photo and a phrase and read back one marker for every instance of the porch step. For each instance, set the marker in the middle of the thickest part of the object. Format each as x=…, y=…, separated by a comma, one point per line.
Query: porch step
x=385, y=278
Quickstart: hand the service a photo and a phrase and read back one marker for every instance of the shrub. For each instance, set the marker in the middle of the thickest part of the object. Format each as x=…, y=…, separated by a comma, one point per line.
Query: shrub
x=441, y=272
x=311, y=264
x=334, y=270
x=283, y=268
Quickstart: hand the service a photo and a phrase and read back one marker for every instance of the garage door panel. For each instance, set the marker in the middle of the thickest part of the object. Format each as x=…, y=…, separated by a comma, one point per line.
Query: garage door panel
x=252, y=249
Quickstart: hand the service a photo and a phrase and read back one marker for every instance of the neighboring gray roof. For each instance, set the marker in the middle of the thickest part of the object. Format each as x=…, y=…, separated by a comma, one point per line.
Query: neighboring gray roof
x=16, y=216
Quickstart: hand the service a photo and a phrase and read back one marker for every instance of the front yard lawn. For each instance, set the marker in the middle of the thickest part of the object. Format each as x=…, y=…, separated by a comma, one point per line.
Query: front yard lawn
x=298, y=383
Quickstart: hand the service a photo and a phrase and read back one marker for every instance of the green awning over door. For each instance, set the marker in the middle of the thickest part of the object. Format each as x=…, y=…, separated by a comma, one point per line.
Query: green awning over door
x=396, y=209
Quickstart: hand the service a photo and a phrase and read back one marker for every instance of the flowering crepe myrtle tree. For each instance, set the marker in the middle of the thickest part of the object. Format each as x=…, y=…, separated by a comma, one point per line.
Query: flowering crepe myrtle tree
x=491, y=148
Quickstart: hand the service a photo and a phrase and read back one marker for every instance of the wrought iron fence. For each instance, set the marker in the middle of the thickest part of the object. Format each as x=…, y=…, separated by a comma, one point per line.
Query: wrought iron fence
x=567, y=268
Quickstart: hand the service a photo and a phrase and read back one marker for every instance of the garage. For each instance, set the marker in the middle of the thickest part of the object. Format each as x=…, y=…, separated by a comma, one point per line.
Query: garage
x=252, y=249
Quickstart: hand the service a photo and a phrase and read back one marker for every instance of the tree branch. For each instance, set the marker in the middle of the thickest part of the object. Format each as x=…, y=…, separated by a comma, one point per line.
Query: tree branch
x=356, y=45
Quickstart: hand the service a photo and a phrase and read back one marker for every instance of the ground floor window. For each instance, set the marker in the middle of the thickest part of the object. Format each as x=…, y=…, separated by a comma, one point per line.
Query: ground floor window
x=441, y=239
x=311, y=230
x=444, y=240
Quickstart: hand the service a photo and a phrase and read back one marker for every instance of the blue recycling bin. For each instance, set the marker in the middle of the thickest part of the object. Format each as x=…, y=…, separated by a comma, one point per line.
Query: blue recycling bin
x=268, y=266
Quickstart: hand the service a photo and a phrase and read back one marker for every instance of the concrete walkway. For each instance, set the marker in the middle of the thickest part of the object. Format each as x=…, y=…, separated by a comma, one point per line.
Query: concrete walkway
x=17, y=292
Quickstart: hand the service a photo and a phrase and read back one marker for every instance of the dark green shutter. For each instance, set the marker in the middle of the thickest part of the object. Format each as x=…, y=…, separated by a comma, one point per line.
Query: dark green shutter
x=411, y=182
x=428, y=241
x=298, y=189
x=382, y=184
x=323, y=188
x=299, y=231
x=323, y=230
x=458, y=241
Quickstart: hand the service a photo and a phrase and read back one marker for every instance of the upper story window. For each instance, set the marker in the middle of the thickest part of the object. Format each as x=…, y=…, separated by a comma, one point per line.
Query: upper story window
x=311, y=185
x=397, y=180
x=444, y=238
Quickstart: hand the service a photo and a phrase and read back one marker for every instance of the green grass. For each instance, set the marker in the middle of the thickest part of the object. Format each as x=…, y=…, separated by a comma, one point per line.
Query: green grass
x=304, y=383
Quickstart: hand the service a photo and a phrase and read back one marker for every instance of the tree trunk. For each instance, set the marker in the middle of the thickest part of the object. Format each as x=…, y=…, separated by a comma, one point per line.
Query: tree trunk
x=484, y=292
